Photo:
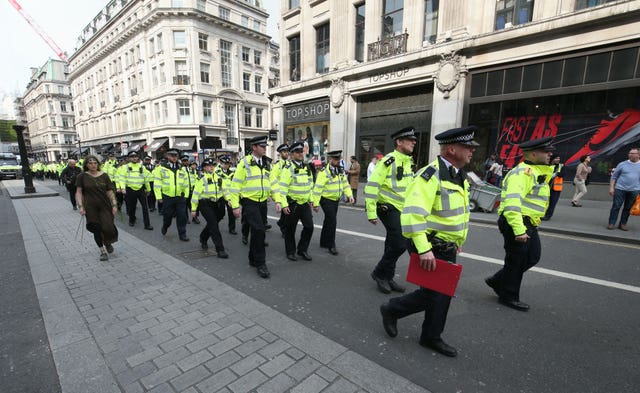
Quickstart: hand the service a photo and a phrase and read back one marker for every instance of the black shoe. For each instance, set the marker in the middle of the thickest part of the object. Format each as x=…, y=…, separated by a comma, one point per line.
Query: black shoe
x=75, y=208
x=545, y=218
x=396, y=287
x=291, y=257
x=148, y=228
x=152, y=209
x=440, y=346
x=333, y=251
x=196, y=221
x=223, y=254
x=245, y=240
x=263, y=271
x=104, y=256
x=389, y=323
x=132, y=224
x=109, y=248
x=490, y=281
x=233, y=231
x=184, y=238
x=268, y=226
x=266, y=243
x=515, y=304
x=204, y=245
x=163, y=230
x=305, y=255
x=383, y=285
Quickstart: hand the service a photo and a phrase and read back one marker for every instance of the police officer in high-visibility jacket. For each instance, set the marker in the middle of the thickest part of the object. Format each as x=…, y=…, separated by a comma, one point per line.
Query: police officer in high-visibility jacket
x=331, y=186
x=208, y=197
x=293, y=199
x=192, y=178
x=225, y=172
x=151, y=197
x=384, y=197
x=250, y=189
x=171, y=187
x=133, y=183
x=524, y=200
x=555, y=185
x=435, y=217
x=276, y=169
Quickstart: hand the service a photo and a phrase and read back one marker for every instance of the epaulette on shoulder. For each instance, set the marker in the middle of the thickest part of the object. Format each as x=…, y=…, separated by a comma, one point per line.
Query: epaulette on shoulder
x=427, y=173
x=389, y=160
x=528, y=171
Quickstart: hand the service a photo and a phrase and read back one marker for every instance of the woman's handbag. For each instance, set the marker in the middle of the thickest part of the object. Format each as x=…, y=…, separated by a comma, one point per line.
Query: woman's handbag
x=635, y=209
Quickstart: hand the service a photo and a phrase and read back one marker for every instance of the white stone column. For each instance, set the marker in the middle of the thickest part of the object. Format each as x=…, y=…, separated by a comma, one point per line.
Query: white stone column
x=447, y=113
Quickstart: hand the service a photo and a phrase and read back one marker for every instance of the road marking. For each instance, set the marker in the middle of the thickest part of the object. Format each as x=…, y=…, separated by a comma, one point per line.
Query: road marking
x=570, y=276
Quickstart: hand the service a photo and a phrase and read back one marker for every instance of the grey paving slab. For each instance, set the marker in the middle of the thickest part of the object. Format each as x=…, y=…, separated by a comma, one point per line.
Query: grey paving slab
x=312, y=384
x=82, y=369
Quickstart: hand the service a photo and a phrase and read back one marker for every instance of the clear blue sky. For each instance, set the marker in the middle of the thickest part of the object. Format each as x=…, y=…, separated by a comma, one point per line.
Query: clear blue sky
x=63, y=20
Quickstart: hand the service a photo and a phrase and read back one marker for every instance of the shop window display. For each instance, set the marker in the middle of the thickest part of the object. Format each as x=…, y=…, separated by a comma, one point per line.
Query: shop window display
x=315, y=137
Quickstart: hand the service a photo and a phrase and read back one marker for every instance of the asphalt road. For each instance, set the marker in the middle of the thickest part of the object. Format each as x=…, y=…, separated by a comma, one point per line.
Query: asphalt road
x=578, y=336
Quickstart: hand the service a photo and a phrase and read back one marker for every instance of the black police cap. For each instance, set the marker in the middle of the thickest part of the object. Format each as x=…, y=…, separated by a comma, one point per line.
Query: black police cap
x=297, y=145
x=407, y=132
x=462, y=135
x=208, y=161
x=282, y=147
x=259, y=140
x=173, y=152
x=184, y=157
x=133, y=154
x=225, y=160
x=335, y=154
x=538, y=144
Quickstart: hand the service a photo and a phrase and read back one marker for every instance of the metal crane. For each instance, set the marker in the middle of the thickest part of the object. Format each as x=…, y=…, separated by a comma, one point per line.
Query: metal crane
x=39, y=30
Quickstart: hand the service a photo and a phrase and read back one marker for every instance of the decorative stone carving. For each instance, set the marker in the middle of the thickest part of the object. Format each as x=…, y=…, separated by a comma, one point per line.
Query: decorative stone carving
x=449, y=72
x=336, y=94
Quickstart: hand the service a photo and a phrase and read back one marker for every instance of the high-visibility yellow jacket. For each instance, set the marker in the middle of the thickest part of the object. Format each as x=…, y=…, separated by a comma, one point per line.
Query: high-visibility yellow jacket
x=192, y=177
x=331, y=183
x=227, y=178
x=209, y=186
x=250, y=181
x=170, y=182
x=134, y=176
x=296, y=182
x=435, y=202
x=525, y=193
x=388, y=182
x=109, y=167
x=274, y=177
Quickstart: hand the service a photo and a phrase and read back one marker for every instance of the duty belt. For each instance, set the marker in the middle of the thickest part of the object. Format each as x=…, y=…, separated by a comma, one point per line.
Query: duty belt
x=441, y=245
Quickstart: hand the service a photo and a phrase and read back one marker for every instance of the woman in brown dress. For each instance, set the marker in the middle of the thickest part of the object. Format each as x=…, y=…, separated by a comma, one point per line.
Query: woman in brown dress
x=97, y=201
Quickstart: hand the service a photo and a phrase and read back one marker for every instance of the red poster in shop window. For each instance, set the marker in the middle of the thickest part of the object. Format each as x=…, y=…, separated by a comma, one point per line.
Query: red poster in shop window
x=444, y=279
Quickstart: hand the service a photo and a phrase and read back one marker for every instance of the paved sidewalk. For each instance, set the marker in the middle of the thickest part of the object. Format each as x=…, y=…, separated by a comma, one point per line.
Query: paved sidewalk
x=145, y=321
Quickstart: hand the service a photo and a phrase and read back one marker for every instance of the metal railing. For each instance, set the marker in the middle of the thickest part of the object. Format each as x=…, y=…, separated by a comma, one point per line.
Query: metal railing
x=387, y=47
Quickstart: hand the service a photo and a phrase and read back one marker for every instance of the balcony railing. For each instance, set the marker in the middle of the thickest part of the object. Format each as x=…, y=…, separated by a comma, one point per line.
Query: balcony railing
x=181, y=80
x=231, y=139
x=387, y=47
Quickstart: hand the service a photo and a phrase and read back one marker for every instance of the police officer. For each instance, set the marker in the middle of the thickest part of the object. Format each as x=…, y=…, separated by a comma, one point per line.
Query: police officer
x=151, y=197
x=171, y=186
x=250, y=189
x=384, y=197
x=293, y=197
x=133, y=183
x=331, y=186
x=435, y=217
x=555, y=186
x=226, y=174
x=276, y=169
x=192, y=177
x=208, y=197
x=524, y=200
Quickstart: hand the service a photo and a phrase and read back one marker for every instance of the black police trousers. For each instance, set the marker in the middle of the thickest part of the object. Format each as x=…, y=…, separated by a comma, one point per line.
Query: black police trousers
x=254, y=215
x=213, y=213
x=132, y=197
x=394, y=243
x=328, y=233
x=519, y=257
x=298, y=212
x=174, y=206
x=232, y=218
x=151, y=198
x=434, y=304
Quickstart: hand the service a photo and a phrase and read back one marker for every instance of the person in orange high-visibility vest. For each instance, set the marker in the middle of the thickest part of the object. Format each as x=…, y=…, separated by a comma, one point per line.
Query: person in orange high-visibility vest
x=555, y=184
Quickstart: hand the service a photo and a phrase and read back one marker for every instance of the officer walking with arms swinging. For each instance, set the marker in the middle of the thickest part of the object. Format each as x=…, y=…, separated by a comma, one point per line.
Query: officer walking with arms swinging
x=435, y=217
x=171, y=186
x=133, y=183
x=208, y=196
x=384, y=195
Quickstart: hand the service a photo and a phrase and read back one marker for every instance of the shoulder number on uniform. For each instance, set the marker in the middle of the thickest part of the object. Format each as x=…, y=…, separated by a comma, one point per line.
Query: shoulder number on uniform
x=426, y=175
x=389, y=161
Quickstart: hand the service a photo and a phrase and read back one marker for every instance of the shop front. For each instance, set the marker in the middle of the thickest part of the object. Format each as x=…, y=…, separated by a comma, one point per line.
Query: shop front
x=589, y=102
x=309, y=122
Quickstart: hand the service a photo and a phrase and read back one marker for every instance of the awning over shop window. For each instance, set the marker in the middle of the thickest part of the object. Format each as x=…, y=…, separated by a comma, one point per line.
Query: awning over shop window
x=156, y=144
x=85, y=150
x=184, y=143
x=136, y=145
x=104, y=149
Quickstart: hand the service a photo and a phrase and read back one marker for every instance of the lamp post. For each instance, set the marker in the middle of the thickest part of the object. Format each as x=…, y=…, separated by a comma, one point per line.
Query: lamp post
x=79, y=149
x=24, y=161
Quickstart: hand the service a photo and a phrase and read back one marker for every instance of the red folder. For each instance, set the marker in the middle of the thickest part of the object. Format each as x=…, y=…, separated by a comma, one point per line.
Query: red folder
x=444, y=279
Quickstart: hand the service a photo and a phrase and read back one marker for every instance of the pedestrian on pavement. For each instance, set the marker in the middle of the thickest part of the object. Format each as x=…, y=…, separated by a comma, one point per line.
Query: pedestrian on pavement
x=624, y=187
x=276, y=170
x=525, y=197
x=372, y=165
x=354, y=177
x=435, y=217
x=226, y=174
x=69, y=175
x=96, y=196
x=133, y=183
x=495, y=173
x=488, y=163
x=555, y=185
x=250, y=189
x=171, y=187
x=331, y=186
x=208, y=198
x=151, y=196
x=581, y=180
x=293, y=199
x=384, y=197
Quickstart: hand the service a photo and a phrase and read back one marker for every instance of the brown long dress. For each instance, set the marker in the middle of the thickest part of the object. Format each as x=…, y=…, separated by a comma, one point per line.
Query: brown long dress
x=97, y=205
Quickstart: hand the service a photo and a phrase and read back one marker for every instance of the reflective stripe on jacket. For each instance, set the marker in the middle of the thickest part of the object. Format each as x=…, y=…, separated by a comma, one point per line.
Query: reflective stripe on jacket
x=388, y=182
x=330, y=185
